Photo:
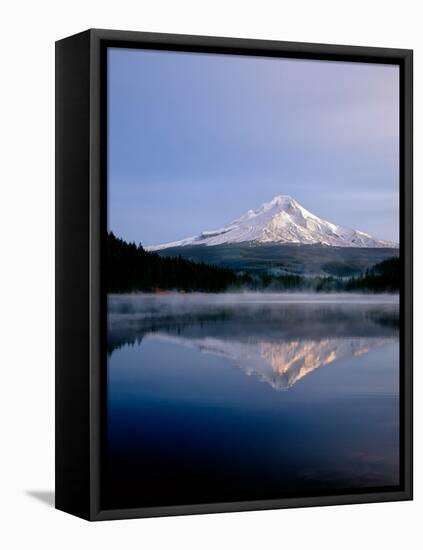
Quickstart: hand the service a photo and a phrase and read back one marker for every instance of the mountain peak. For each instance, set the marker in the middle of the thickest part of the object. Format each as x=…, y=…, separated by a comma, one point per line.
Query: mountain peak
x=281, y=200
x=282, y=220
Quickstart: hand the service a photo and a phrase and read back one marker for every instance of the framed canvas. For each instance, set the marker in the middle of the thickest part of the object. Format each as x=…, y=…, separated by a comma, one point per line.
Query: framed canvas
x=233, y=274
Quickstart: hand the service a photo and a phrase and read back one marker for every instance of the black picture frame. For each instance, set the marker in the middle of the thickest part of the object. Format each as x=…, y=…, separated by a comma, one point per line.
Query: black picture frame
x=81, y=172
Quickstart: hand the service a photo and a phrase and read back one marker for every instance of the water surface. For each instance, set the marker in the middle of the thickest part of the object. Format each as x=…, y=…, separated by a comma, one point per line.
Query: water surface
x=250, y=396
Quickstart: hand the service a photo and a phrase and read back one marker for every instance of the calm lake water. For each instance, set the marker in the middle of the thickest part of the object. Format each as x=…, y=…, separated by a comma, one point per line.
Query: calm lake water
x=249, y=396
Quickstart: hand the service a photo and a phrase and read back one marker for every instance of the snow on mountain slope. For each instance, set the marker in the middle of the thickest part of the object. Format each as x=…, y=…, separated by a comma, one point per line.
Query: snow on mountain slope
x=282, y=220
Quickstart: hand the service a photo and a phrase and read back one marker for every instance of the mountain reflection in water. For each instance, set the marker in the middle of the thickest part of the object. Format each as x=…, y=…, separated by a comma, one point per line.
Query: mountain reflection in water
x=279, y=339
x=281, y=365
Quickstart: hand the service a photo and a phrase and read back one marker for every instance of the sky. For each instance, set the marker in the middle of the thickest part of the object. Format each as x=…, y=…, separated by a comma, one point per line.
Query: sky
x=195, y=140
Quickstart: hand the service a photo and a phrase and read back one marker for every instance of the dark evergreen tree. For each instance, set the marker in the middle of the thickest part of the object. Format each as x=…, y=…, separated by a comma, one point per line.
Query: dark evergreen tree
x=382, y=277
x=131, y=268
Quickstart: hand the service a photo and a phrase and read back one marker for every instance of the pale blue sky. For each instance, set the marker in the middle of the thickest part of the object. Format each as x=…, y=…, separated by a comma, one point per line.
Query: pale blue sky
x=195, y=140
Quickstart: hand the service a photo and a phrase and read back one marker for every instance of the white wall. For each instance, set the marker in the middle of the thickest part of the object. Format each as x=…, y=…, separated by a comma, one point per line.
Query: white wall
x=28, y=31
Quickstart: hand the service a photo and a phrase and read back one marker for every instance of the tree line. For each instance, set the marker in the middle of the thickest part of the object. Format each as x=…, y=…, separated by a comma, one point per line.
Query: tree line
x=382, y=277
x=131, y=268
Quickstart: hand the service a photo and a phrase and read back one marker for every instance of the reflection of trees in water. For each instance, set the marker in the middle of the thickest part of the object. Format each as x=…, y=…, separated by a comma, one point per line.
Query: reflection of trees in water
x=241, y=322
x=389, y=321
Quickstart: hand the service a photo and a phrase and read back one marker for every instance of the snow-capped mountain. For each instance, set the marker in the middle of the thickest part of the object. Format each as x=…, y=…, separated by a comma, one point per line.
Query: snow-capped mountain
x=282, y=220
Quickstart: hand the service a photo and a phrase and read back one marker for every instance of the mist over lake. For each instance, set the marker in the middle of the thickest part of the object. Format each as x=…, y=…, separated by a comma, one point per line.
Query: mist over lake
x=296, y=393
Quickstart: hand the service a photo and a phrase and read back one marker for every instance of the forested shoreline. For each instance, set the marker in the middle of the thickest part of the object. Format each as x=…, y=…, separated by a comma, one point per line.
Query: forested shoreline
x=131, y=268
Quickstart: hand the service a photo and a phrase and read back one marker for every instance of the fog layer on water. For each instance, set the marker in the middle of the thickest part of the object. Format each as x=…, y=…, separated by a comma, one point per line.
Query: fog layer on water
x=142, y=308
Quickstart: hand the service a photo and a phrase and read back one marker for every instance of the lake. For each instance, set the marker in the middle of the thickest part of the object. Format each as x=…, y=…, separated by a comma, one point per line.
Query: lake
x=215, y=398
